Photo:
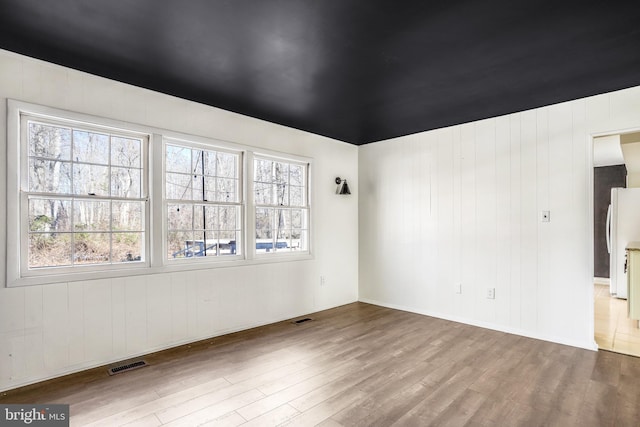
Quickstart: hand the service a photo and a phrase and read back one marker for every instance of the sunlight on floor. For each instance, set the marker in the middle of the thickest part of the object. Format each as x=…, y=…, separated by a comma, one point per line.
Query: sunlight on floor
x=613, y=329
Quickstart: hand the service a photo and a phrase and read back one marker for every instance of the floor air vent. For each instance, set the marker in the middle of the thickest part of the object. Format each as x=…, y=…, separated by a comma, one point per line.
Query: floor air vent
x=299, y=321
x=127, y=367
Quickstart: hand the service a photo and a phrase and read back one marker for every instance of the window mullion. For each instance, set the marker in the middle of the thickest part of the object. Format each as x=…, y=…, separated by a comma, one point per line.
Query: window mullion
x=81, y=197
x=73, y=235
x=158, y=209
x=250, y=211
x=111, y=257
x=204, y=218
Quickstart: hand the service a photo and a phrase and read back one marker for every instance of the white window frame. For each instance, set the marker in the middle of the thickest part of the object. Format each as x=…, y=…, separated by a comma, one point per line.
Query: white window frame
x=18, y=192
x=240, y=203
x=155, y=212
x=290, y=159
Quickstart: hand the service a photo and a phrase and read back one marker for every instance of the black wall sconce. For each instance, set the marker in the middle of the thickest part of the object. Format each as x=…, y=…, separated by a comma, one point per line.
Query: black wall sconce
x=343, y=187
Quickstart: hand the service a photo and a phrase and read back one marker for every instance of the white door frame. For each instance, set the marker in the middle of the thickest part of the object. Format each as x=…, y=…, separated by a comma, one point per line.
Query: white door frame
x=590, y=185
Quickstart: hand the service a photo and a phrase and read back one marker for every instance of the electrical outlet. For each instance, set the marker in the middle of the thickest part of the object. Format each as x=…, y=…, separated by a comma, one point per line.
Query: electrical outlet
x=458, y=288
x=323, y=280
x=491, y=293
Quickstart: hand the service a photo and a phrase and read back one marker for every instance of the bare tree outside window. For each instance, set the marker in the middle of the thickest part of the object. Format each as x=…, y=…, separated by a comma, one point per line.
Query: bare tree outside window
x=79, y=203
x=202, y=190
x=84, y=197
x=280, y=195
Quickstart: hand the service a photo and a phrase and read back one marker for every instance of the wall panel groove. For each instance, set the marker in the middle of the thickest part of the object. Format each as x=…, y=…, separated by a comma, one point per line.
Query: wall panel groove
x=501, y=173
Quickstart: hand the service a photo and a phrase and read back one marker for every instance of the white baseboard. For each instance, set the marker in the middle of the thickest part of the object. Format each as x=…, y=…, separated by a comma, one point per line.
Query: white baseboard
x=602, y=281
x=589, y=345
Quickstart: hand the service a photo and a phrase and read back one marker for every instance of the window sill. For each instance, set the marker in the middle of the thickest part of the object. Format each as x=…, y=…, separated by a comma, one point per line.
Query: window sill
x=170, y=267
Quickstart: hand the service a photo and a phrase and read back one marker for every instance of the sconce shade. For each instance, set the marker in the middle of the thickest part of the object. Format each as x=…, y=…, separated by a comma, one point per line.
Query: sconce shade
x=343, y=187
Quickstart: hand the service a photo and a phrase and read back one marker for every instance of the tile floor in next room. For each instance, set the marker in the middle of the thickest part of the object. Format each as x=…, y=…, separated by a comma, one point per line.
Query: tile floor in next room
x=614, y=331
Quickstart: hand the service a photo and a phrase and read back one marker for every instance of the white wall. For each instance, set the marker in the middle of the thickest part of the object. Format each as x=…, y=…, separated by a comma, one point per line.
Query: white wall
x=55, y=329
x=462, y=205
x=630, y=147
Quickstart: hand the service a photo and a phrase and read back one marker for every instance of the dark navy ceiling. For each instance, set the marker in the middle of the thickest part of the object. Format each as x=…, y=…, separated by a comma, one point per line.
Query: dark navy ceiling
x=355, y=70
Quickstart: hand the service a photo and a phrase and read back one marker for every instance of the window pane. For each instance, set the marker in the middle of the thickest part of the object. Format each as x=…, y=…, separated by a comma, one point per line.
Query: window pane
x=180, y=244
x=210, y=194
x=49, y=215
x=90, y=147
x=227, y=242
x=296, y=196
x=196, y=184
x=282, y=194
x=91, y=216
x=178, y=159
x=199, y=212
x=281, y=172
x=263, y=170
x=228, y=218
x=297, y=218
x=204, y=244
x=283, y=241
x=210, y=188
x=211, y=213
x=91, y=179
x=180, y=217
x=217, y=218
x=52, y=142
x=91, y=248
x=263, y=194
x=264, y=223
x=236, y=243
x=211, y=247
x=49, y=176
x=209, y=163
x=128, y=216
x=299, y=240
x=283, y=219
x=227, y=165
x=126, y=152
x=49, y=250
x=197, y=162
x=126, y=182
x=127, y=247
x=296, y=175
x=178, y=186
x=227, y=190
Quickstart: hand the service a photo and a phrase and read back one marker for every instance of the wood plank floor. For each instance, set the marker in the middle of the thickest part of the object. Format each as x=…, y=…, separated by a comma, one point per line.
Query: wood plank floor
x=358, y=365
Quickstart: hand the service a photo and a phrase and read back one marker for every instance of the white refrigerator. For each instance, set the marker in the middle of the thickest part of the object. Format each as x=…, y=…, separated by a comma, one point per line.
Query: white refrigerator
x=623, y=226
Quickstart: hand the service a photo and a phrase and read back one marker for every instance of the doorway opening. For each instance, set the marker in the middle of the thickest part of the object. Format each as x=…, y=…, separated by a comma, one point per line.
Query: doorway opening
x=616, y=204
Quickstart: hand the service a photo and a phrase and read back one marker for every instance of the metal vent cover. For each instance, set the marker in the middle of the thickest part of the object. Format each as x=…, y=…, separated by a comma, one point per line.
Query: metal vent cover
x=127, y=366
